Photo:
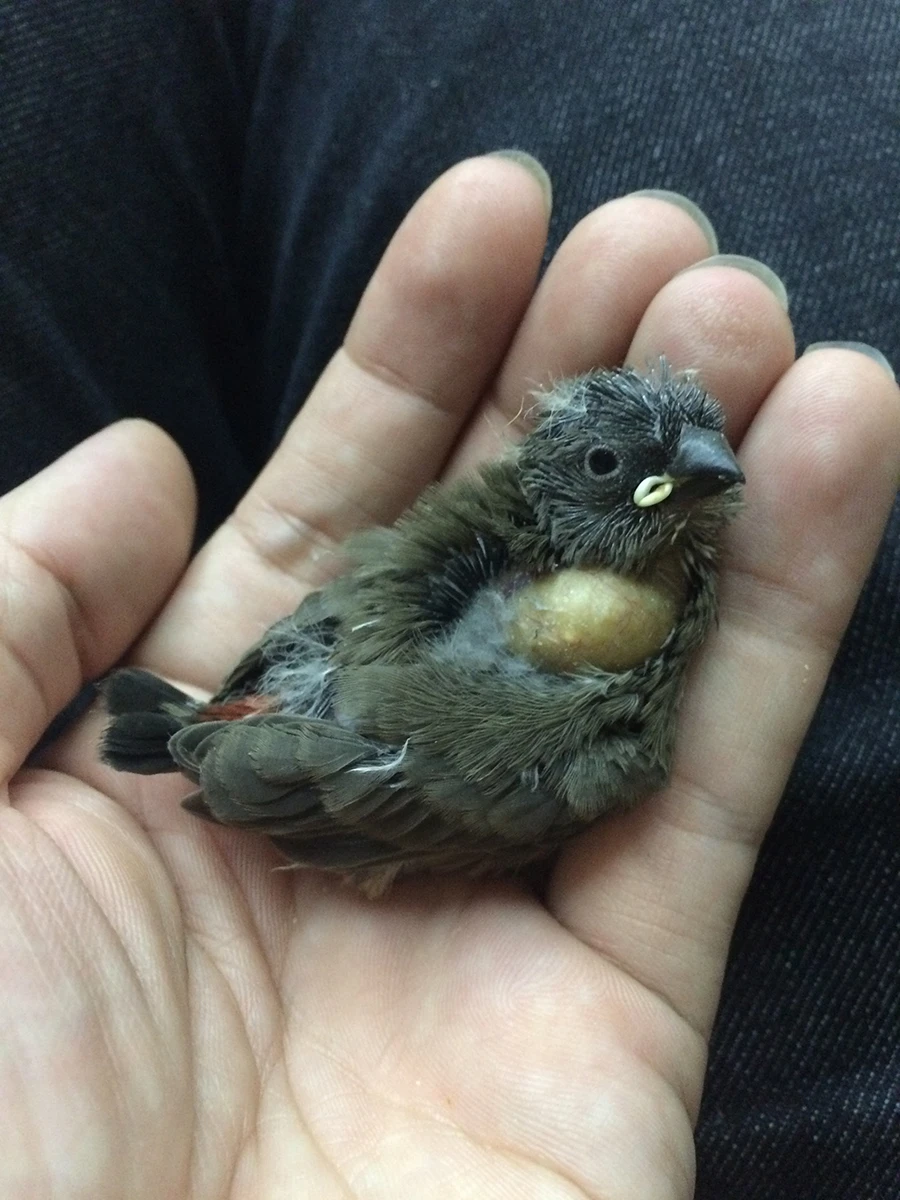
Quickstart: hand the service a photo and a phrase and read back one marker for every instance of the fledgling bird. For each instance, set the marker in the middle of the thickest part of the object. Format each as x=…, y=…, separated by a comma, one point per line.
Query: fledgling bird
x=493, y=672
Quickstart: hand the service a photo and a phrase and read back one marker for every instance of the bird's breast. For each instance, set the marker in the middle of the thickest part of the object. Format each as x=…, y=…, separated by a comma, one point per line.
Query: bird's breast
x=572, y=618
x=594, y=617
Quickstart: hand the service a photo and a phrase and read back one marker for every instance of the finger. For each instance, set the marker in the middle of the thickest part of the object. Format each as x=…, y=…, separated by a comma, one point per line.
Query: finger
x=90, y=546
x=587, y=307
x=429, y=334
x=658, y=889
x=728, y=323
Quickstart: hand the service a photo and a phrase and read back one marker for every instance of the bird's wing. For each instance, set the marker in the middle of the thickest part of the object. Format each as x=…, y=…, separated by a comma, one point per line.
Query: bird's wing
x=336, y=799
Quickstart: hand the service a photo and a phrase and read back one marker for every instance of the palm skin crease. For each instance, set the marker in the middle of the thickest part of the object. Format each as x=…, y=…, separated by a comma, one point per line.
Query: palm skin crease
x=387, y=727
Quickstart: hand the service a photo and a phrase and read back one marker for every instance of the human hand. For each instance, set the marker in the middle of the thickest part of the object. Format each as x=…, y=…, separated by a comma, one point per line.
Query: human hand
x=184, y=1019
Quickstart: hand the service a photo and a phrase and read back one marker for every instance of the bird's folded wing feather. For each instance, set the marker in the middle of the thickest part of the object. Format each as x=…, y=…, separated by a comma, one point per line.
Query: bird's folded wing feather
x=311, y=779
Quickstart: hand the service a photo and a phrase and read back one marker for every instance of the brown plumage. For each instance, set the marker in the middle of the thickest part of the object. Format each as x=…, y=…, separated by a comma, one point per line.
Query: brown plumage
x=405, y=719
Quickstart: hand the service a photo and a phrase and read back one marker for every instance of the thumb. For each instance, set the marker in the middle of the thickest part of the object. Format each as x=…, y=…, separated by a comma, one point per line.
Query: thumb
x=89, y=550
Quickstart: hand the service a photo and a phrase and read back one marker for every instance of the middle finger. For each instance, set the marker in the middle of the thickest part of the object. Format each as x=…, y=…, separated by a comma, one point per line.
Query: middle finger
x=590, y=302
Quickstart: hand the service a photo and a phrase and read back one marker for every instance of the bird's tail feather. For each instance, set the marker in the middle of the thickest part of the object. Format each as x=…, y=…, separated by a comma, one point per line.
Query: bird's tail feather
x=145, y=712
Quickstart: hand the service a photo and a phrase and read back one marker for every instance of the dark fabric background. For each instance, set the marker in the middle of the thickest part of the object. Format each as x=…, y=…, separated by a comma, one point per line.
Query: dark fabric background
x=193, y=194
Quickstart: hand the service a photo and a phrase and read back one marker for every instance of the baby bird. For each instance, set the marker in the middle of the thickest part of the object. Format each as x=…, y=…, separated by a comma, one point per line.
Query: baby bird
x=492, y=673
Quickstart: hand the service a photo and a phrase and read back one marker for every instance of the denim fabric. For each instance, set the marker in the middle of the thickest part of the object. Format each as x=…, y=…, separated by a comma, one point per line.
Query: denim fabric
x=120, y=140
x=192, y=197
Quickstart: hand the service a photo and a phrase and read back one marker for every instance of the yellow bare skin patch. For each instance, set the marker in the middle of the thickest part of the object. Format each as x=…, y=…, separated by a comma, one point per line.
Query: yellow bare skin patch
x=595, y=617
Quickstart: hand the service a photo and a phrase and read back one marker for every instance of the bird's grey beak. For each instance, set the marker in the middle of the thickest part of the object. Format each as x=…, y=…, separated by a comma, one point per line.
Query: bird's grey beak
x=703, y=464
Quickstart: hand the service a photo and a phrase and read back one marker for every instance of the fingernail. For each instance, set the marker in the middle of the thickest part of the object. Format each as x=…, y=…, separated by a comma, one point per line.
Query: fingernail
x=533, y=167
x=694, y=211
x=859, y=348
x=753, y=267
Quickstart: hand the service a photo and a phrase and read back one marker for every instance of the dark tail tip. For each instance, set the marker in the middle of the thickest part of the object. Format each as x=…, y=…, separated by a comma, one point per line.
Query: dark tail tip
x=145, y=712
x=132, y=690
x=139, y=743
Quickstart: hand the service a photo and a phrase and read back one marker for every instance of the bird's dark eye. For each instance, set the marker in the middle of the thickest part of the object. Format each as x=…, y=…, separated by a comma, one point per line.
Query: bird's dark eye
x=601, y=461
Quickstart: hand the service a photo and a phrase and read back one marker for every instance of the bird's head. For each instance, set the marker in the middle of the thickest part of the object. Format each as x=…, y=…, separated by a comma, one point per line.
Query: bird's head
x=621, y=465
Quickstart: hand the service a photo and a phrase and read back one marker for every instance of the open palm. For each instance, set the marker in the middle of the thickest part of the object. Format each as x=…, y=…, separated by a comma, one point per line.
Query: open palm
x=183, y=1018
